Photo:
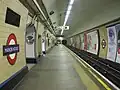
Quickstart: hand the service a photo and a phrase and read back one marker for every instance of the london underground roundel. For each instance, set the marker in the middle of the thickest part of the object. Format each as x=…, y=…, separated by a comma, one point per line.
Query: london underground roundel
x=11, y=49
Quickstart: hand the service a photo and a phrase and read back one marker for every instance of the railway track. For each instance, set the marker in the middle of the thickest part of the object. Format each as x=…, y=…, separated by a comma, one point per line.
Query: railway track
x=110, y=70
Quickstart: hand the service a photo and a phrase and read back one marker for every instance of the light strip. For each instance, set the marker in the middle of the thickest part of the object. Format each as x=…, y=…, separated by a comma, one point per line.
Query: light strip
x=39, y=8
x=41, y=11
x=66, y=18
x=71, y=2
x=69, y=7
x=67, y=14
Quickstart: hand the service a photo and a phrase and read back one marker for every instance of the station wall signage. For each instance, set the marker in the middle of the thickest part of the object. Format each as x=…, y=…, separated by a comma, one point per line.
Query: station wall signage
x=11, y=49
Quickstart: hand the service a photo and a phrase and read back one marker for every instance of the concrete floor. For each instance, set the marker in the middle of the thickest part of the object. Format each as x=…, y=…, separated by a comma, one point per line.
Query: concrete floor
x=55, y=71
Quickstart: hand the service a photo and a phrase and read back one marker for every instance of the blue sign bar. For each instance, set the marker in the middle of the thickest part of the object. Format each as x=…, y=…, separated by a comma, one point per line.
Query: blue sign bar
x=10, y=49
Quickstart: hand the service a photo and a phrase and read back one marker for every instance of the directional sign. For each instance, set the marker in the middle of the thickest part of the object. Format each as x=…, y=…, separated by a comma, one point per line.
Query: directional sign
x=63, y=27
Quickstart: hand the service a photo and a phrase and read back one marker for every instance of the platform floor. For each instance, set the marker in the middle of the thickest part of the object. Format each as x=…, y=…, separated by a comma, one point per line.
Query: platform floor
x=58, y=70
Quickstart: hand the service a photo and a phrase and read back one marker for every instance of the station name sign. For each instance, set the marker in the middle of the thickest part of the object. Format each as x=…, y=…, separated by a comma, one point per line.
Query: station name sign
x=10, y=49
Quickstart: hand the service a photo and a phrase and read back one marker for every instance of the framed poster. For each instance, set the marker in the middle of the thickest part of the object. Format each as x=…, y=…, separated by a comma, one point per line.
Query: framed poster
x=71, y=41
x=82, y=41
x=85, y=41
x=118, y=43
x=74, y=40
x=78, y=42
x=92, y=42
x=112, y=43
x=68, y=41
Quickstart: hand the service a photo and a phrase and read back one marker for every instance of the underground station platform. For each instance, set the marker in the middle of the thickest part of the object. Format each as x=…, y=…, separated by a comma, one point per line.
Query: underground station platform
x=61, y=69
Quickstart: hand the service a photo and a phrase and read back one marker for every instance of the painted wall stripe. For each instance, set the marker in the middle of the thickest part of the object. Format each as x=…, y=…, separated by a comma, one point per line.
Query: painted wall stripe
x=100, y=81
x=6, y=81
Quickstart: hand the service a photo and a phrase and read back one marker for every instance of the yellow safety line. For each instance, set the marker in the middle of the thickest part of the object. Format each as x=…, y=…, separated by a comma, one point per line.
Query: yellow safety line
x=86, y=80
x=105, y=85
x=102, y=82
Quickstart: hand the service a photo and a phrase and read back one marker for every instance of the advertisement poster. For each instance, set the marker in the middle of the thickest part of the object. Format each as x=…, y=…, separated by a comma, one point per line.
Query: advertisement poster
x=71, y=41
x=118, y=43
x=78, y=42
x=112, y=44
x=92, y=42
x=85, y=41
x=82, y=41
x=75, y=42
x=68, y=42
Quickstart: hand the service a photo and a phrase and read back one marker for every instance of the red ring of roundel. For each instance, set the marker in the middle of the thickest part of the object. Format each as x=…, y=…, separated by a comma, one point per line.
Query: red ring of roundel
x=10, y=60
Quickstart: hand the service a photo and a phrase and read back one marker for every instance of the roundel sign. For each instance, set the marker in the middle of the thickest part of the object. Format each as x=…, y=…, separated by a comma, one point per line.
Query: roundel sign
x=103, y=43
x=11, y=49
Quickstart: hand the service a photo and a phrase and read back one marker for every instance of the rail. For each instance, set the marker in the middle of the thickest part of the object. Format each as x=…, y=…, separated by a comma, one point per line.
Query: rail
x=110, y=70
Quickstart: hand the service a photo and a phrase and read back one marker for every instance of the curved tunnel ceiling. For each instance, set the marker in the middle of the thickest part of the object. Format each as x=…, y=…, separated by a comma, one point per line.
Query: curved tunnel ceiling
x=85, y=14
x=33, y=10
x=58, y=6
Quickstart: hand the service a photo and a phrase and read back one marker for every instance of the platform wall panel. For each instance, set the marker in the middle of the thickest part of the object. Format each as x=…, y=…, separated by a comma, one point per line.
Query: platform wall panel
x=6, y=69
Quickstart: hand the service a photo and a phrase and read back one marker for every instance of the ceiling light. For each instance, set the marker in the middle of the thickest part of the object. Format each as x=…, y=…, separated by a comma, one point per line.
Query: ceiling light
x=39, y=8
x=67, y=13
x=69, y=7
x=66, y=18
x=71, y=2
x=62, y=32
x=61, y=38
x=35, y=2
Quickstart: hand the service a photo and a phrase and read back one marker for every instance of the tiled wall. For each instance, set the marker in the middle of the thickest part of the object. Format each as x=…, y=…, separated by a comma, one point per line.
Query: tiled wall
x=7, y=70
x=103, y=35
x=50, y=37
x=40, y=30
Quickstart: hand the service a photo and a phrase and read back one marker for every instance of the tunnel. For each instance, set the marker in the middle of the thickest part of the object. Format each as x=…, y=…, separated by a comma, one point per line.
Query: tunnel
x=60, y=44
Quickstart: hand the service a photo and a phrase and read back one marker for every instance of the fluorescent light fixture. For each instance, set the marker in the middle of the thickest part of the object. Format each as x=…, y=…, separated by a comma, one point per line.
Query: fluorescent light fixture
x=62, y=31
x=39, y=8
x=61, y=38
x=35, y=2
x=71, y=2
x=69, y=7
x=67, y=13
x=66, y=18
